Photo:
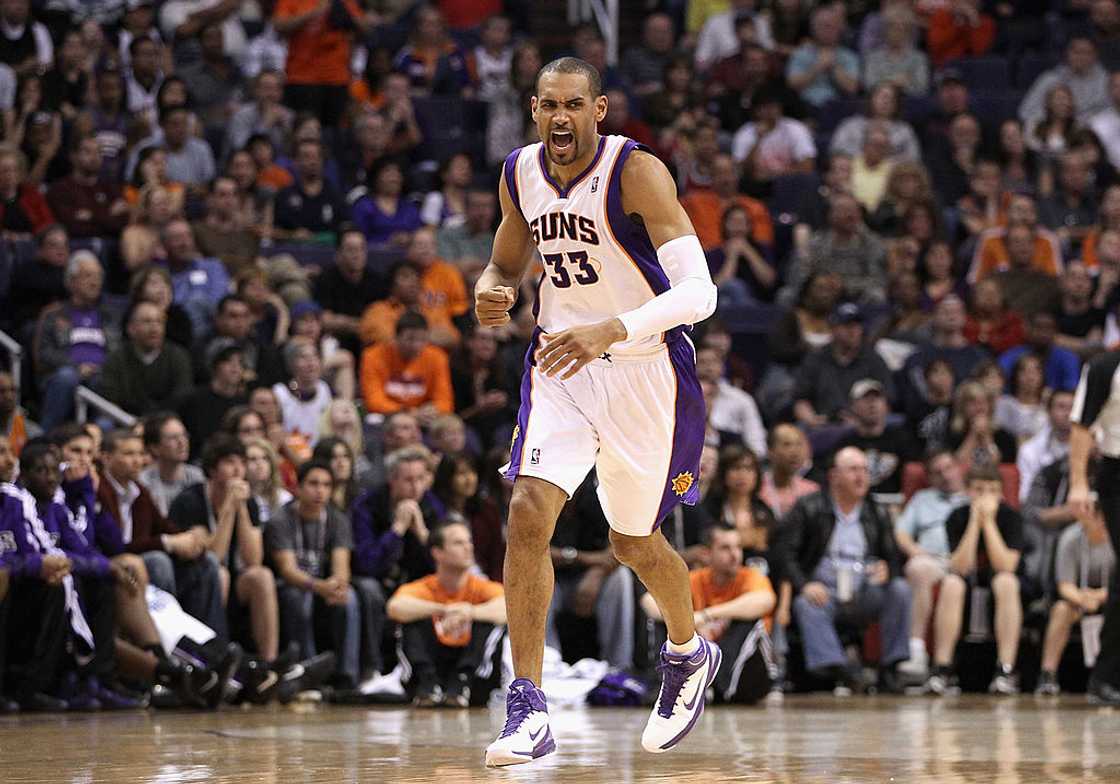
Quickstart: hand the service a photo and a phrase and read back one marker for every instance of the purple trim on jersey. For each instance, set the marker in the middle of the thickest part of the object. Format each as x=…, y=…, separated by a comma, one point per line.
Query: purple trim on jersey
x=689, y=424
x=509, y=170
x=561, y=191
x=526, y=408
x=632, y=236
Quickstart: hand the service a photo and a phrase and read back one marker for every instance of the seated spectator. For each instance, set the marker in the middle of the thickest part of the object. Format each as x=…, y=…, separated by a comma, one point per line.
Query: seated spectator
x=948, y=343
x=468, y=245
x=153, y=284
x=214, y=82
x=973, y=436
x=782, y=484
x=959, y=29
x=168, y=444
x=896, y=60
x=293, y=448
x=443, y=294
x=233, y=326
x=304, y=399
x=392, y=523
x=1061, y=367
x=940, y=279
x=1019, y=164
x=150, y=171
x=734, y=502
x=311, y=208
x=1106, y=122
x=222, y=233
x=1084, y=562
x=265, y=115
x=951, y=158
x=841, y=561
x=985, y=542
x=887, y=448
x=385, y=215
x=991, y=324
x=493, y=57
x=907, y=189
x=262, y=472
x=872, y=167
x=108, y=118
x=826, y=377
x=140, y=240
x=771, y=145
x=928, y=415
x=72, y=340
x=225, y=508
x=1050, y=445
x=821, y=69
x=920, y=534
x=849, y=249
x=590, y=582
x=408, y=374
x=983, y=207
x=733, y=604
x=271, y=177
x=175, y=560
x=40, y=281
x=203, y=407
x=622, y=122
x=448, y=205
x=743, y=272
x=1108, y=221
x=85, y=203
x=338, y=363
x=15, y=425
x=1021, y=411
x=722, y=34
x=731, y=410
x=433, y=62
x=1080, y=320
x=1084, y=76
x=884, y=106
x=485, y=394
x=1036, y=248
x=189, y=159
x=345, y=288
x=735, y=81
x=451, y=620
x=1071, y=211
x=198, y=283
x=308, y=543
x=146, y=374
x=339, y=456
x=706, y=207
x=456, y=486
x=642, y=66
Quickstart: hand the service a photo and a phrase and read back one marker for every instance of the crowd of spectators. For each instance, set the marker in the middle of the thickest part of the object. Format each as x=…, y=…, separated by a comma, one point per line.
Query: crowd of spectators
x=254, y=229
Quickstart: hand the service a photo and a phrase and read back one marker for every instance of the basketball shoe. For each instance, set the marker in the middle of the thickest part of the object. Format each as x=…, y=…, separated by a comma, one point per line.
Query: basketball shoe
x=526, y=735
x=684, y=680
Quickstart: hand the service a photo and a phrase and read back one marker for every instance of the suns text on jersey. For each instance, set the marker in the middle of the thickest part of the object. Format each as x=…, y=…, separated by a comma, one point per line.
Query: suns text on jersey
x=564, y=225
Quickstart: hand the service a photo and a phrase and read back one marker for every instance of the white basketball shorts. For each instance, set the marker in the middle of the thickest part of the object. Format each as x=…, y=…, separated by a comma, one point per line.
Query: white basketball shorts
x=639, y=420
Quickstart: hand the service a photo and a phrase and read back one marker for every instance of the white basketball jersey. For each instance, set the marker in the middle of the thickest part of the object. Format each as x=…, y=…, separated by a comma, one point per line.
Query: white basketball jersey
x=598, y=262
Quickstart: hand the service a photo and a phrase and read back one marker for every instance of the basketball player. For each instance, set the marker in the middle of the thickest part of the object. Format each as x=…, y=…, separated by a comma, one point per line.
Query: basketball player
x=610, y=381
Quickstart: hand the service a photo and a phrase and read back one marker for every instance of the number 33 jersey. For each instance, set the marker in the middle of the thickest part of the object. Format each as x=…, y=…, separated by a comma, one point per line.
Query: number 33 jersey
x=598, y=262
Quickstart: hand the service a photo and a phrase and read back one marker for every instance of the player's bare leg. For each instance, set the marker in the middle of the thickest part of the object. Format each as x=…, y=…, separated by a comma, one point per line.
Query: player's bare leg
x=688, y=662
x=529, y=582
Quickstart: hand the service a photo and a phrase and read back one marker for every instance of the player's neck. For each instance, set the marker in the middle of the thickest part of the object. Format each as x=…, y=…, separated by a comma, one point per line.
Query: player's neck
x=564, y=174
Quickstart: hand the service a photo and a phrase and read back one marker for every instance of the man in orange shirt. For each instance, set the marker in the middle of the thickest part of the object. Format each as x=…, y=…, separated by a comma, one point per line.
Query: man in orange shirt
x=733, y=604
x=452, y=625
x=407, y=374
x=705, y=207
x=319, y=34
x=992, y=253
x=443, y=294
x=379, y=320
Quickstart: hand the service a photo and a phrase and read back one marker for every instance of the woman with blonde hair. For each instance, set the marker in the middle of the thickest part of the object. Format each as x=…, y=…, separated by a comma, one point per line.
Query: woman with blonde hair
x=262, y=471
x=341, y=420
x=973, y=435
x=907, y=185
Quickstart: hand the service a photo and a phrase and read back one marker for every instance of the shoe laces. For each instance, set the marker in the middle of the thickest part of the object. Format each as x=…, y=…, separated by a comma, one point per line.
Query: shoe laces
x=518, y=708
x=673, y=676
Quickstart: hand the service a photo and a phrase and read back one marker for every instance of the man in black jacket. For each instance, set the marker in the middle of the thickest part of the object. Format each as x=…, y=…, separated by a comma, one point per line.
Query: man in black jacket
x=841, y=561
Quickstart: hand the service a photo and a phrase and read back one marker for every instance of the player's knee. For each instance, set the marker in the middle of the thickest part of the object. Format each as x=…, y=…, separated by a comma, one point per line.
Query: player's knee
x=532, y=515
x=634, y=551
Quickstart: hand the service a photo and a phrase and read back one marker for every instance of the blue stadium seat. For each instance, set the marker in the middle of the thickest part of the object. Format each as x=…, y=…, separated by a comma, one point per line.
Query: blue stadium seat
x=788, y=192
x=993, y=109
x=306, y=253
x=984, y=74
x=832, y=114
x=1031, y=66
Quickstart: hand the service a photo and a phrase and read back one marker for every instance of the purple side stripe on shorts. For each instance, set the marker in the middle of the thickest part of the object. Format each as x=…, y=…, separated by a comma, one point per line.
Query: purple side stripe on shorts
x=518, y=446
x=688, y=432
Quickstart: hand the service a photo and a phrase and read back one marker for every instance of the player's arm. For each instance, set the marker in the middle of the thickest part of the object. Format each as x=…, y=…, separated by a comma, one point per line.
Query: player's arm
x=648, y=190
x=496, y=289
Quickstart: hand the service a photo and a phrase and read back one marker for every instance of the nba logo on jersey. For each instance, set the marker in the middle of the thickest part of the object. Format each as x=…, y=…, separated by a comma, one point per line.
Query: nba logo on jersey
x=594, y=184
x=535, y=457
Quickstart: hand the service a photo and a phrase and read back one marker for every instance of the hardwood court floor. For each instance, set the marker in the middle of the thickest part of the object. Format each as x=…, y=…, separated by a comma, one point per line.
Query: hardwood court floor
x=809, y=740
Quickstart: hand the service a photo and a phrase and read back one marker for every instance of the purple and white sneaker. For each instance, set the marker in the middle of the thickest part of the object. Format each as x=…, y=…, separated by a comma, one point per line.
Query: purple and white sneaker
x=526, y=735
x=684, y=681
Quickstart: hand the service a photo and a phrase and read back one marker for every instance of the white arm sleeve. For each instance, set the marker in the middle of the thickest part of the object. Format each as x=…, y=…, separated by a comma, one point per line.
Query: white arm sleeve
x=690, y=298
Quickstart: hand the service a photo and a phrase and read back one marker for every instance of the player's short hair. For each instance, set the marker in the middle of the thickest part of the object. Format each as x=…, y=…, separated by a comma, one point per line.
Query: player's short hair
x=573, y=65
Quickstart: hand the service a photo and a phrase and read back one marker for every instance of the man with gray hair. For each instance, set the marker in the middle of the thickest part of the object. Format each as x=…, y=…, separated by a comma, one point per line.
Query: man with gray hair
x=303, y=399
x=73, y=338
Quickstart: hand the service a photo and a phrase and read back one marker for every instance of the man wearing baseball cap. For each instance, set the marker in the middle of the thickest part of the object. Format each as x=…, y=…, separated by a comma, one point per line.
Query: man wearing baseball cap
x=887, y=447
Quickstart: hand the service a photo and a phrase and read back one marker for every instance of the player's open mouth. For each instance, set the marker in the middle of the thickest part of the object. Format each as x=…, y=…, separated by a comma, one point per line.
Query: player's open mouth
x=562, y=140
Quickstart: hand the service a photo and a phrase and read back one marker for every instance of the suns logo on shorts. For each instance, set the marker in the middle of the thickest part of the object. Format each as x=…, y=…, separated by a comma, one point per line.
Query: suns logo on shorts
x=682, y=482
